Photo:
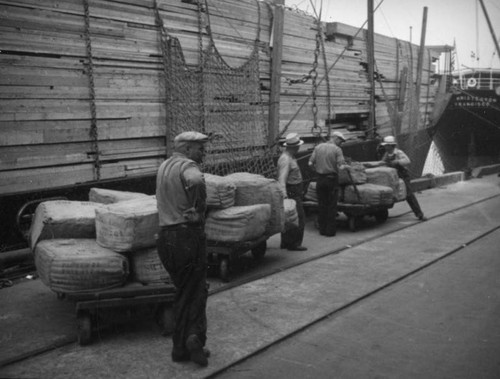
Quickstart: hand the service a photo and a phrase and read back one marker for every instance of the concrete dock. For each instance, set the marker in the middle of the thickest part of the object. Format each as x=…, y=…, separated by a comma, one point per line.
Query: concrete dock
x=401, y=299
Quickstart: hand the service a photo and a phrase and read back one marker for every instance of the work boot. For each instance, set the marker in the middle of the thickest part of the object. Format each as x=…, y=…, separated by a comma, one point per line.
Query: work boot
x=422, y=217
x=185, y=356
x=197, y=354
x=297, y=248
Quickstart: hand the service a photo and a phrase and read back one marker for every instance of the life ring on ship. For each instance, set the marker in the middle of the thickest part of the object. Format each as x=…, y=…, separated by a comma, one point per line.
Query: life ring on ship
x=471, y=82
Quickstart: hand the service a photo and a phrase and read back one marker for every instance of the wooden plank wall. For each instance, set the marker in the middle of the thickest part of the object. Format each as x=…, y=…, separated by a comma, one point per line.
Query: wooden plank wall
x=45, y=107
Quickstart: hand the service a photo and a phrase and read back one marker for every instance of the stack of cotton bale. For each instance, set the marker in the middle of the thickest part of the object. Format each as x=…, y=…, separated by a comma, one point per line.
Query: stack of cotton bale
x=360, y=187
x=129, y=227
x=291, y=215
x=67, y=256
x=367, y=193
x=254, y=189
x=254, y=211
x=107, y=196
x=311, y=194
x=99, y=244
x=352, y=173
x=387, y=176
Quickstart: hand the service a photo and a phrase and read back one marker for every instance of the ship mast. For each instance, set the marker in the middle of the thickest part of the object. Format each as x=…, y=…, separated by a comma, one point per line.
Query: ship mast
x=492, y=31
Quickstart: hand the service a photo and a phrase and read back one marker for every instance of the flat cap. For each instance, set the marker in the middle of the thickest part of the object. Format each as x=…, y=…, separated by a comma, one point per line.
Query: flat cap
x=191, y=137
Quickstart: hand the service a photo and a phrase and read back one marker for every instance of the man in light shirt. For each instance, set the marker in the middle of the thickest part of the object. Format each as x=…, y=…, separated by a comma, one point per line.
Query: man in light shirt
x=290, y=179
x=181, y=199
x=396, y=158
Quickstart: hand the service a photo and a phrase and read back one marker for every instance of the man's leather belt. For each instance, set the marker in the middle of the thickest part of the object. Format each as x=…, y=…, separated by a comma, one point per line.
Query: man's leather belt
x=183, y=225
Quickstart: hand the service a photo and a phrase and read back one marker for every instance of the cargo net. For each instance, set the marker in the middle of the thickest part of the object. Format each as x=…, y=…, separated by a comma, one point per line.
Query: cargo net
x=221, y=101
x=413, y=117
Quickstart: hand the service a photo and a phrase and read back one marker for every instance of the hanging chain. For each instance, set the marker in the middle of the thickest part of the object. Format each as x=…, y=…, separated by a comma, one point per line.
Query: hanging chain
x=316, y=129
x=164, y=41
x=327, y=78
x=201, y=80
x=93, y=133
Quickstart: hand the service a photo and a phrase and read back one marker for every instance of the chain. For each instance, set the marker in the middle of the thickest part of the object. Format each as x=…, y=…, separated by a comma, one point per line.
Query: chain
x=201, y=81
x=316, y=129
x=327, y=78
x=93, y=133
x=164, y=41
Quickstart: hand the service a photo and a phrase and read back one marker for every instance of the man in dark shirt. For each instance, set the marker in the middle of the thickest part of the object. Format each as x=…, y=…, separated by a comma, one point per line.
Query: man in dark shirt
x=327, y=158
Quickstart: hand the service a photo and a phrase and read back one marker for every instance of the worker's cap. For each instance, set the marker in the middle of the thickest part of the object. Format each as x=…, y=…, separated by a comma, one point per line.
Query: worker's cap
x=293, y=139
x=389, y=140
x=191, y=137
x=339, y=135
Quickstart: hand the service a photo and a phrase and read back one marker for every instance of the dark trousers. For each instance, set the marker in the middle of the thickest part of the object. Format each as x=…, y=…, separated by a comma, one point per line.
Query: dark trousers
x=182, y=251
x=327, y=189
x=410, y=196
x=293, y=237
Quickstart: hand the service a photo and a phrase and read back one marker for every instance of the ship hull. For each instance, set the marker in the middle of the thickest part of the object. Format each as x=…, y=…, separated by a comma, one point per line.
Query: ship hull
x=468, y=132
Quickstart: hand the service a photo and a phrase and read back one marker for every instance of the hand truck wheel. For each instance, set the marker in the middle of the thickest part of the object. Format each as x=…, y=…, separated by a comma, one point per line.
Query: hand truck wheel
x=224, y=269
x=84, y=327
x=260, y=250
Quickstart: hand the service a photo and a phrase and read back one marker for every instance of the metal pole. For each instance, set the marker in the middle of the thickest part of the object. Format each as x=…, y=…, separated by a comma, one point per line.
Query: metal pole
x=495, y=40
x=421, y=55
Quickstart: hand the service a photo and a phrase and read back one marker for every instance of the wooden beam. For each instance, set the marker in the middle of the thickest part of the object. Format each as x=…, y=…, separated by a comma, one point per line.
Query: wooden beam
x=371, y=69
x=421, y=55
x=277, y=51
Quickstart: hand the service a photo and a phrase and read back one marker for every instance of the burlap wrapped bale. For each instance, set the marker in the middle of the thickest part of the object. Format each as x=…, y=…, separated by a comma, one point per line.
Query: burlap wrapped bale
x=311, y=194
x=254, y=189
x=370, y=194
x=106, y=196
x=383, y=176
x=146, y=267
x=74, y=265
x=220, y=191
x=127, y=225
x=63, y=219
x=357, y=173
x=401, y=193
x=291, y=215
x=238, y=223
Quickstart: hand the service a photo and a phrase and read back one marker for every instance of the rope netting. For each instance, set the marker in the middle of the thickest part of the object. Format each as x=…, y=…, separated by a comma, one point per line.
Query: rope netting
x=224, y=102
x=413, y=138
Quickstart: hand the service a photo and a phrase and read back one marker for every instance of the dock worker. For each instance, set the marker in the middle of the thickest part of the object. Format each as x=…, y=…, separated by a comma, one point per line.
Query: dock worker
x=326, y=159
x=181, y=202
x=396, y=158
x=290, y=179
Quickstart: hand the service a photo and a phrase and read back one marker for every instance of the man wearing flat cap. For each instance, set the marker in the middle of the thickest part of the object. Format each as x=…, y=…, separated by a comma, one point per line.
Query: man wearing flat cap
x=327, y=158
x=181, y=201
